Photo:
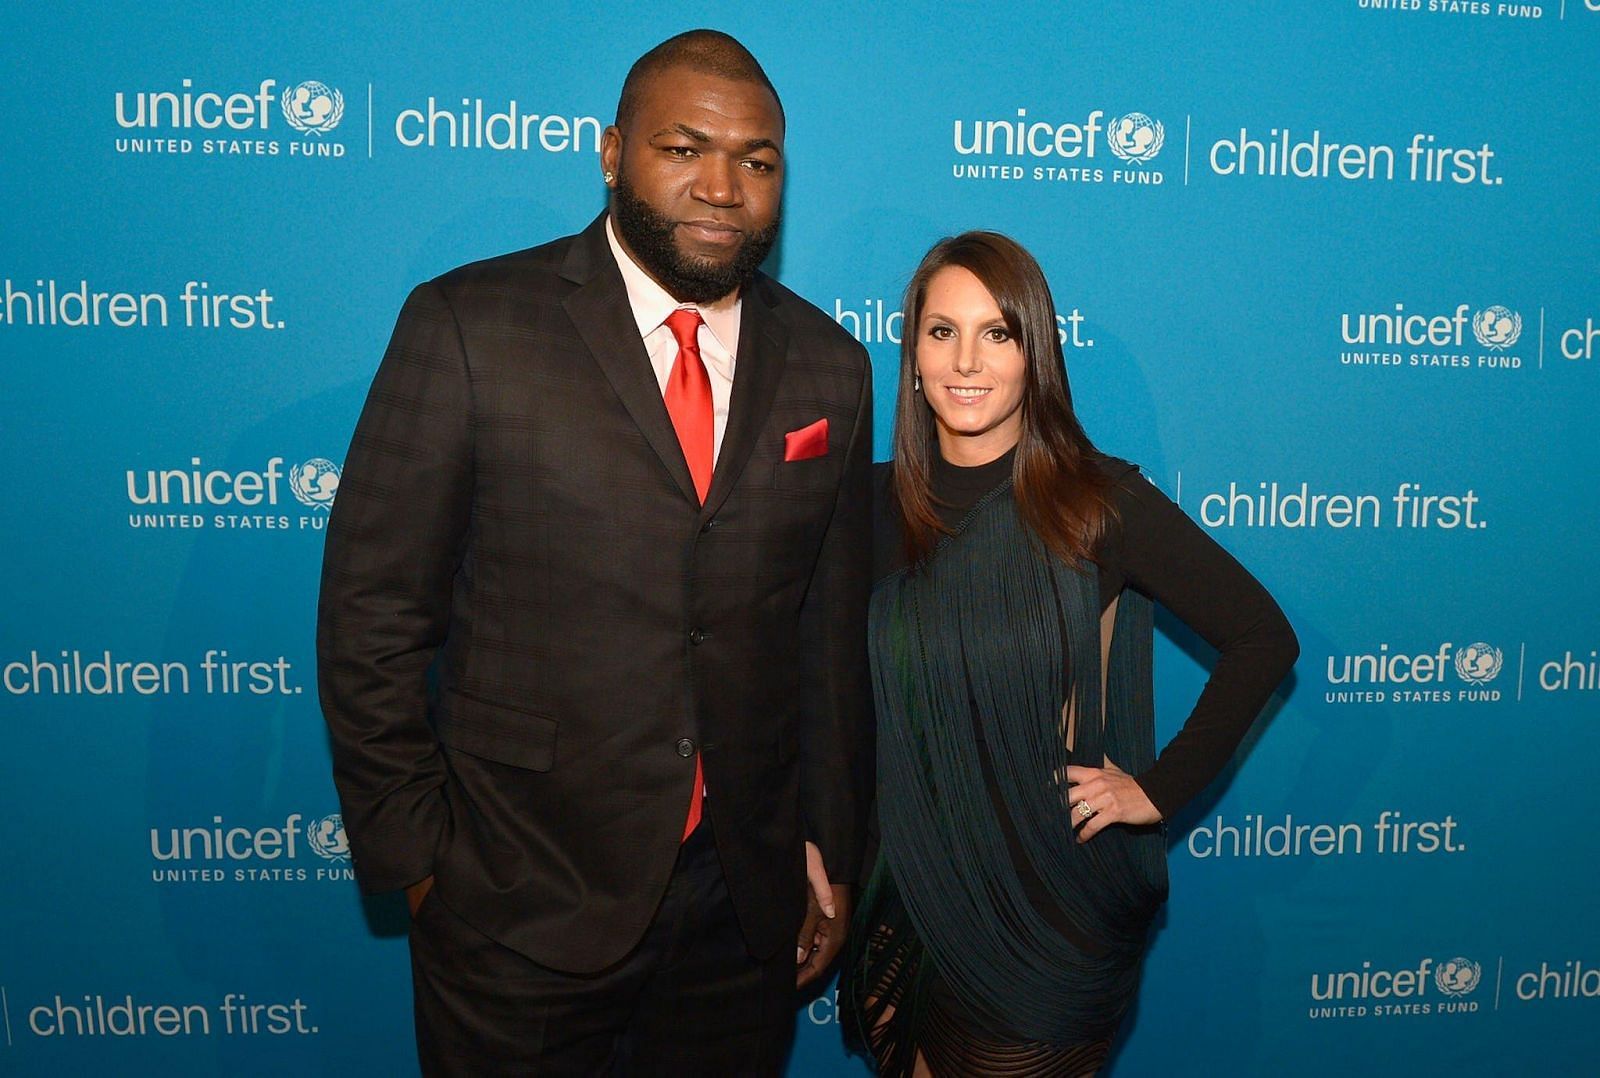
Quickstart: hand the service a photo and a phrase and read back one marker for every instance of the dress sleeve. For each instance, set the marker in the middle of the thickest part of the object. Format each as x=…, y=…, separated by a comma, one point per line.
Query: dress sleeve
x=1164, y=555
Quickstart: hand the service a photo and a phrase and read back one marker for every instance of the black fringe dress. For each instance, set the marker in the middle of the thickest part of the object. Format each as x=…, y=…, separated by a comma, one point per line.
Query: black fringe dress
x=987, y=940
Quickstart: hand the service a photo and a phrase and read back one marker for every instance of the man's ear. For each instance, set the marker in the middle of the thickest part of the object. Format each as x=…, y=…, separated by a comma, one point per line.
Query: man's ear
x=611, y=153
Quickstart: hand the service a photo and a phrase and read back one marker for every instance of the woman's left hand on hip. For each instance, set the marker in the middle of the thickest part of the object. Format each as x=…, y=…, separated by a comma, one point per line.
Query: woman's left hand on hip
x=1101, y=796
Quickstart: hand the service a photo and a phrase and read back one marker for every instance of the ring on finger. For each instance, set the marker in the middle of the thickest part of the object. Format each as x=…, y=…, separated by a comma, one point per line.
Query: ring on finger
x=1085, y=810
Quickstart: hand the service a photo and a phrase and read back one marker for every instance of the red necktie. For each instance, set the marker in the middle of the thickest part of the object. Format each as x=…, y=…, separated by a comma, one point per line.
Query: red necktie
x=688, y=399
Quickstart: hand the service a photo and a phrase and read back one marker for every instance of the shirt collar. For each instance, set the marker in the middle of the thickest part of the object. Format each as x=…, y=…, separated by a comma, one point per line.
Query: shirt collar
x=651, y=303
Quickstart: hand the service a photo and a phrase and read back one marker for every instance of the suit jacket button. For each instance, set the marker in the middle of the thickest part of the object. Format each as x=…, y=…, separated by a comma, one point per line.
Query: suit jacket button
x=708, y=525
x=685, y=747
x=697, y=637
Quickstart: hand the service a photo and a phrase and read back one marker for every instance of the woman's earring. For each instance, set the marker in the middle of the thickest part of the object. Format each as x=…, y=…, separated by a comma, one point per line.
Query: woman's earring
x=916, y=383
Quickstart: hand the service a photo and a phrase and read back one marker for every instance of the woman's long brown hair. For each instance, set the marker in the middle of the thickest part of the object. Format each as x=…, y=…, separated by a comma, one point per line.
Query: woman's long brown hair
x=1061, y=494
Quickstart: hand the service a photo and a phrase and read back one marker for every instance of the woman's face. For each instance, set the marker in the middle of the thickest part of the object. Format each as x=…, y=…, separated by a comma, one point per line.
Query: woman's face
x=973, y=370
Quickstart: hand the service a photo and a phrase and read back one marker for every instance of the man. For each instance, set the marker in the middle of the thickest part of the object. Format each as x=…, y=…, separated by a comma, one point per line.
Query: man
x=591, y=638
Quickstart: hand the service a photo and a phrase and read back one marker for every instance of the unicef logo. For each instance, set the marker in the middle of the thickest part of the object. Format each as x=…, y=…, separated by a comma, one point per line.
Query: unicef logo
x=327, y=839
x=1135, y=137
x=315, y=482
x=1457, y=976
x=313, y=107
x=1497, y=327
x=1478, y=663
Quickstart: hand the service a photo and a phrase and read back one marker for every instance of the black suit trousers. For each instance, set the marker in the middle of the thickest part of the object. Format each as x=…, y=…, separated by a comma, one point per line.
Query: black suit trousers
x=688, y=1000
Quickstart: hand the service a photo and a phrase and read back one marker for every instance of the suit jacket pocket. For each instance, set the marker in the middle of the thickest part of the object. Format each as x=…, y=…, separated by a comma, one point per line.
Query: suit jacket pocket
x=813, y=473
x=504, y=735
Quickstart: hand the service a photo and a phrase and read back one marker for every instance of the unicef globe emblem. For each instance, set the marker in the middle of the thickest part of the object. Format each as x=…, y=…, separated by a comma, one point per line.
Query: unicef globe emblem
x=327, y=839
x=1135, y=137
x=315, y=482
x=313, y=107
x=1478, y=663
x=1457, y=976
x=1497, y=327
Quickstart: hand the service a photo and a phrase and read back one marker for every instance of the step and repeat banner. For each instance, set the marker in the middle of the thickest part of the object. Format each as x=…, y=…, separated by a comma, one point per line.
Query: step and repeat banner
x=1330, y=270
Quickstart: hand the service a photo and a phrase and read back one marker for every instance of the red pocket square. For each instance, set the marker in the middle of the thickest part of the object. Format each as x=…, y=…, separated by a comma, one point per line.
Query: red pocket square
x=807, y=442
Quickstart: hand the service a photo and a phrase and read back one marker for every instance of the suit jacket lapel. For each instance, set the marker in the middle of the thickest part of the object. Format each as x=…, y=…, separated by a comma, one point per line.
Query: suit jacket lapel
x=758, y=368
x=599, y=309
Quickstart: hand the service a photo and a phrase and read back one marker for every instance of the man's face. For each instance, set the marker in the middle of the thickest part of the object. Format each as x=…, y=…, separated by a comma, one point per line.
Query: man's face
x=699, y=181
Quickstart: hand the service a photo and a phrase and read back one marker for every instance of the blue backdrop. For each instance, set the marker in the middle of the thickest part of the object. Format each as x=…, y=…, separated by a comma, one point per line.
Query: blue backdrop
x=1327, y=269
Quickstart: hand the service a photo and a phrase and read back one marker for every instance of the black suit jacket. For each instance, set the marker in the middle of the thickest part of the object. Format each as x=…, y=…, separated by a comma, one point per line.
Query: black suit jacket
x=528, y=623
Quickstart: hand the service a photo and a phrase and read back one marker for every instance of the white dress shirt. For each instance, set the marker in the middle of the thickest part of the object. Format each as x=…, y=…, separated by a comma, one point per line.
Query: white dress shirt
x=718, y=335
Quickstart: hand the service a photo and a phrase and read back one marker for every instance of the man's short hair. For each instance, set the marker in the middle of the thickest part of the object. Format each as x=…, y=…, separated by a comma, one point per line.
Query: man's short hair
x=710, y=52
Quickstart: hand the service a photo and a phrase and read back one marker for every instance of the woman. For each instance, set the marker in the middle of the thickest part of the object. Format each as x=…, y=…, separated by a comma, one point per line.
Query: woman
x=1020, y=800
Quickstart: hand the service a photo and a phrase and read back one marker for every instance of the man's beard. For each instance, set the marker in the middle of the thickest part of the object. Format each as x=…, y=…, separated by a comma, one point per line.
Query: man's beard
x=651, y=238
